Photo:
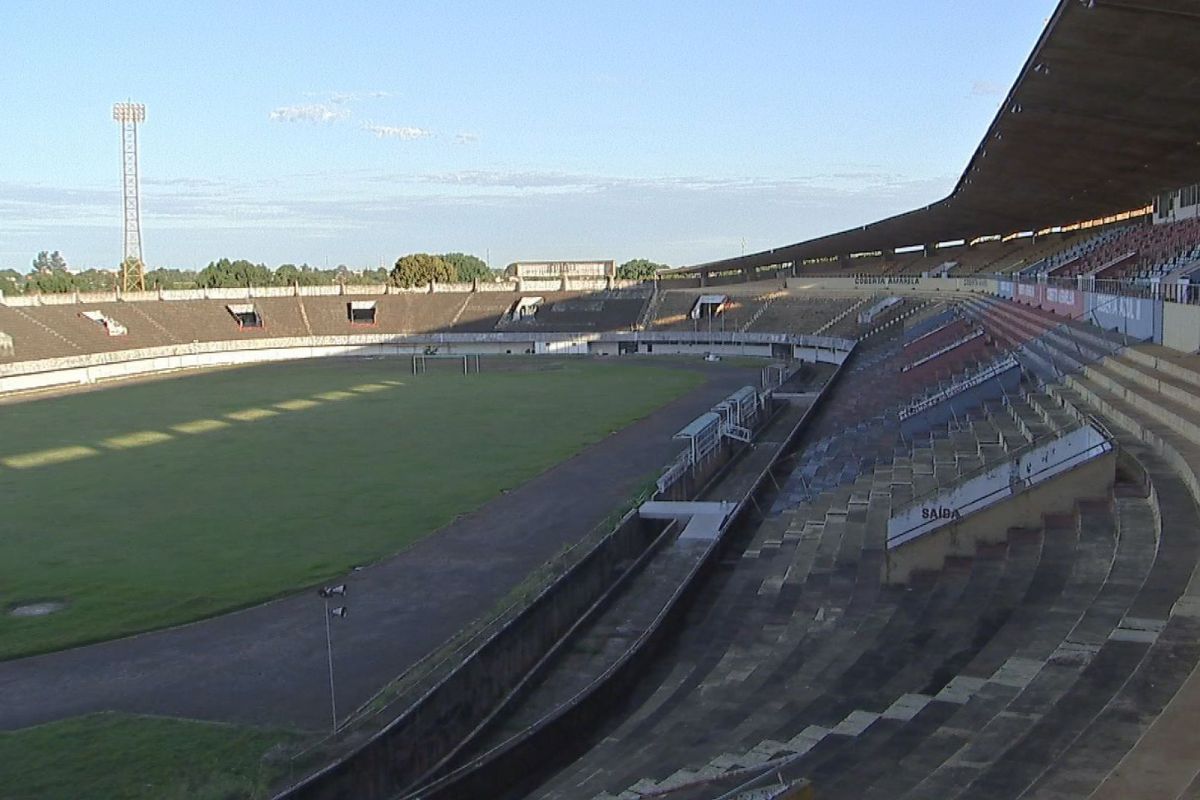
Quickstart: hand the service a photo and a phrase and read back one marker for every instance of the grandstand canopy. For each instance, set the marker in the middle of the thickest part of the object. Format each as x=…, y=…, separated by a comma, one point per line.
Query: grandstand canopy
x=1104, y=115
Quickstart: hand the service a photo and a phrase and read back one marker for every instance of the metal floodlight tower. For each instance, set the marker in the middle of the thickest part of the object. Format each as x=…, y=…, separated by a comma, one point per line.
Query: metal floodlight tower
x=133, y=275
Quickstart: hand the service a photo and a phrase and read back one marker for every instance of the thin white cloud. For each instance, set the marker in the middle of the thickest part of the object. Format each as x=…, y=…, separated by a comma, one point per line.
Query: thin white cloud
x=341, y=98
x=405, y=133
x=987, y=89
x=696, y=218
x=466, y=138
x=309, y=112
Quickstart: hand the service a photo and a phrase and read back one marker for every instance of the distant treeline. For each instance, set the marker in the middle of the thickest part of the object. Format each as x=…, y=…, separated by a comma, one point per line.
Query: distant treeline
x=51, y=274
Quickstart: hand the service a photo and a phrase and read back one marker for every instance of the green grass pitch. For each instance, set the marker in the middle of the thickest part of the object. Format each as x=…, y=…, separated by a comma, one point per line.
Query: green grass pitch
x=124, y=757
x=150, y=504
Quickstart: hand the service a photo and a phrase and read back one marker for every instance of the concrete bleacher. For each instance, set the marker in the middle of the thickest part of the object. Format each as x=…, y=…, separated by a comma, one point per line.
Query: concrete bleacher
x=595, y=311
x=1064, y=262
x=775, y=311
x=56, y=329
x=1138, y=250
x=804, y=663
x=1148, y=394
x=1055, y=663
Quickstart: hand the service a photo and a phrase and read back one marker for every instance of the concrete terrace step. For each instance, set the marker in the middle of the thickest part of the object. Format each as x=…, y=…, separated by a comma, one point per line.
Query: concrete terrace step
x=1138, y=403
x=1164, y=691
x=1171, y=362
x=987, y=685
x=1173, y=387
x=838, y=723
x=1053, y=659
x=813, y=670
x=1027, y=643
x=896, y=734
x=871, y=711
x=790, y=636
x=749, y=629
x=1162, y=408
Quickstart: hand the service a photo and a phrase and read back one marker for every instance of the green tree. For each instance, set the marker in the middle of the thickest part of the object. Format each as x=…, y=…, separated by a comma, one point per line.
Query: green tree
x=639, y=269
x=225, y=274
x=468, y=267
x=368, y=277
x=287, y=274
x=58, y=282
x=418, y=269
x=166, y=278
x=11, y=281
x=94, y=280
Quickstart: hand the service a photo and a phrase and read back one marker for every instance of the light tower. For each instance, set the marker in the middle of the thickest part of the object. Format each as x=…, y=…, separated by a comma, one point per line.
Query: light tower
x=133, y=276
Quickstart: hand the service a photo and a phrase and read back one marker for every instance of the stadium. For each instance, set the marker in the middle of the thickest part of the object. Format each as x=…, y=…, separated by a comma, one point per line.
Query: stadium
x=910, y=510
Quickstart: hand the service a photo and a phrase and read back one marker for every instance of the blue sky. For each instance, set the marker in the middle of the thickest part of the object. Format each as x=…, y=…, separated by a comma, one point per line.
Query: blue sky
x=360, y=131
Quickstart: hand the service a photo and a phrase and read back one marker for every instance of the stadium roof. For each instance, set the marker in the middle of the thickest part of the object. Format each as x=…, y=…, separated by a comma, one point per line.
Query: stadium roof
x=1104, y=115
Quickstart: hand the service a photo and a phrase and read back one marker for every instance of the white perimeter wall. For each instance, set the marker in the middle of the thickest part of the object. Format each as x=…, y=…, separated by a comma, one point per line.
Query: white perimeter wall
x=1027, y=468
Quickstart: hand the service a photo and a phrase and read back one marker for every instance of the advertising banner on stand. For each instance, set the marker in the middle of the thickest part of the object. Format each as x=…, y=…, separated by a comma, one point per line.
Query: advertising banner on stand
x=1136, y=317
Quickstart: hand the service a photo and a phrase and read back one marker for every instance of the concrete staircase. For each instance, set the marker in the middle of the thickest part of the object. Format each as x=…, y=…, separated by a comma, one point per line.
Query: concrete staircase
x=961, y=649
x=803, y=632
x=1056, y=665
x=1141, y=706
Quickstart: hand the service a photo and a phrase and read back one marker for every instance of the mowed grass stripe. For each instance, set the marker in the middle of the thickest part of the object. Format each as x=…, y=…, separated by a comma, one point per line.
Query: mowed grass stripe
x=139, y=439
x=200, y=426
x=251, y=414
x=45, y=458
x=300, y=404
x=336, y=395
x=143, y=537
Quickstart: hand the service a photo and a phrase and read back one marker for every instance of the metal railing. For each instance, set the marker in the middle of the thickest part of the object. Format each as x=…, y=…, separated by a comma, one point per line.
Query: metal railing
x=1105, y=445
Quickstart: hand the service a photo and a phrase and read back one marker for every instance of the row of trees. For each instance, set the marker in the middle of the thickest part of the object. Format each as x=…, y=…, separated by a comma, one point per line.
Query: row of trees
x=51, y=274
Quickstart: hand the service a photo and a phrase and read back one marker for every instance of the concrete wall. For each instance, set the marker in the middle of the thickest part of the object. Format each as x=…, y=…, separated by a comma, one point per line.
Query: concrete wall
x=1149, y=319
x=1181, y=327
x=535, y=750
x=93, y=367
x=892, y=284
x=417, y=740
x=991, y=525
x=431, y=730
x=1029, y=466
x=387, y=764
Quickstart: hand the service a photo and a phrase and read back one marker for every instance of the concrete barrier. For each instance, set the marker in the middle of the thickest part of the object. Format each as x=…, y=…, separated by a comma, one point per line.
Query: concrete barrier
x=536, y=749
x=431, y=731
x=94, y=367
x=1181, y=327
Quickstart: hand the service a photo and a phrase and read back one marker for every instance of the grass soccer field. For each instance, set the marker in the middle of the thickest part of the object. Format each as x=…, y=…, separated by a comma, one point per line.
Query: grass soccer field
x=144, y=505
x=119, y=756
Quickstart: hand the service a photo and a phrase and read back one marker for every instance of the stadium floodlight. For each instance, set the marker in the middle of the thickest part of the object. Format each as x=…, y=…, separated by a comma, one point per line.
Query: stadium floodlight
x=129, y=112
x=325, y=593
x=133, y=275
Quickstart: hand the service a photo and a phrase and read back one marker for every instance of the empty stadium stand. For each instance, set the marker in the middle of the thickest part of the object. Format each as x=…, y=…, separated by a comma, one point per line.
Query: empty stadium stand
x=1007, y=671
x=778, y=310
x=53, y=327
x=802, y=663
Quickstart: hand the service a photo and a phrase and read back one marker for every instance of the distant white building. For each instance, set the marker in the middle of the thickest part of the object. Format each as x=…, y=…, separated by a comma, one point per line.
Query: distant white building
x=562, y=269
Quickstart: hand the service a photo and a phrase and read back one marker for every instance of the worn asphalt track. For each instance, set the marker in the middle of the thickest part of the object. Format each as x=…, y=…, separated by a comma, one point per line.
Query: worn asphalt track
x=267, y=664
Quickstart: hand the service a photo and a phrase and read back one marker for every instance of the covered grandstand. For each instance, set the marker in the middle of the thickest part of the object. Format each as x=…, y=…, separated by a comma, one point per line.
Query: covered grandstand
x=949, y=546
x=1100, y=122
